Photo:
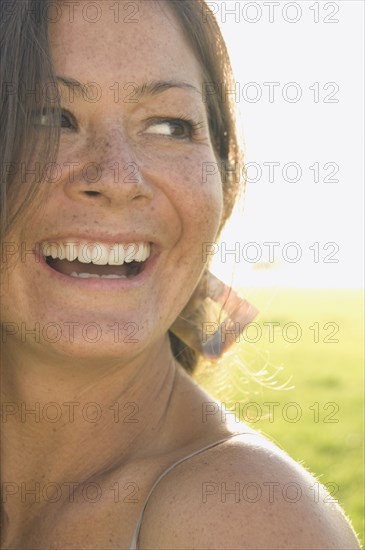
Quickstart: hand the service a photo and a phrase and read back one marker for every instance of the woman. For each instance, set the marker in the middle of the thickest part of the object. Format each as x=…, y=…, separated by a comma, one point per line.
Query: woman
x=106, y=440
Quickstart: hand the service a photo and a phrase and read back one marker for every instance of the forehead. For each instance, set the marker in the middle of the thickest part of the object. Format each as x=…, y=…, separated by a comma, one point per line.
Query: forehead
x=128, y=41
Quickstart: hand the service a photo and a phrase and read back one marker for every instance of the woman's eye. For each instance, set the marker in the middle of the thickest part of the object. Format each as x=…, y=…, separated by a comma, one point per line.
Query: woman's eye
x=65, y=119
x=176, y=128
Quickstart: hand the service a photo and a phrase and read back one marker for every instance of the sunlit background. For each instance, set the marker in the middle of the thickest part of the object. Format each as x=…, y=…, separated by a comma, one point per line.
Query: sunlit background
x=305, y=132
x=313, y=358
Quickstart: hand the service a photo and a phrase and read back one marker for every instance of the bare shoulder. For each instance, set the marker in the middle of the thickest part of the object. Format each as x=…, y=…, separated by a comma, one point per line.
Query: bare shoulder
x=243, y=494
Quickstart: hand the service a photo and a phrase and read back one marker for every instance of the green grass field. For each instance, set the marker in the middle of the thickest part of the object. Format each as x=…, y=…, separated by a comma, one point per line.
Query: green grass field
x=316, y=382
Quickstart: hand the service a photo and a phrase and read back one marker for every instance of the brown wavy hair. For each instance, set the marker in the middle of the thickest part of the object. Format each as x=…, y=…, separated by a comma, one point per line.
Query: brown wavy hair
x=26, y=68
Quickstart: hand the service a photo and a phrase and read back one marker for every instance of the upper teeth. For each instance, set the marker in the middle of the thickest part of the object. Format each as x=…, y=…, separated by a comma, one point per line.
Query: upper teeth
x=96, y=252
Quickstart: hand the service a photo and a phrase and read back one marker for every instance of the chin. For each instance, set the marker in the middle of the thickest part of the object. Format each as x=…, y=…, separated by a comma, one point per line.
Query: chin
x=90, y=354
x=78, y=335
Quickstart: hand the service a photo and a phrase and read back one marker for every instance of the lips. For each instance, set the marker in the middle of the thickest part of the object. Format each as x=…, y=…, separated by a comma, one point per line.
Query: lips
x=78, y=269
x=84, y=259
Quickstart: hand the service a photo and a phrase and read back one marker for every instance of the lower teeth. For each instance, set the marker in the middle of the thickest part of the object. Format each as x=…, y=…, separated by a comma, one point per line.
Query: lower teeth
x=95, y=276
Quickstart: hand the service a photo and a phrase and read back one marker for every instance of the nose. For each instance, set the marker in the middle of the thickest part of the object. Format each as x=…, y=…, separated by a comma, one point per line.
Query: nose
x=107, y=170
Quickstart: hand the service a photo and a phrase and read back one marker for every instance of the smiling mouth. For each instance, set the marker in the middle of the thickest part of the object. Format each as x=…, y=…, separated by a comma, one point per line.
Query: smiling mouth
x=87, y=260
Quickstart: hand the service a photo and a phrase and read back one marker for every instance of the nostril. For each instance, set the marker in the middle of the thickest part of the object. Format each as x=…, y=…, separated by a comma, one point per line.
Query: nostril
x=92, y=193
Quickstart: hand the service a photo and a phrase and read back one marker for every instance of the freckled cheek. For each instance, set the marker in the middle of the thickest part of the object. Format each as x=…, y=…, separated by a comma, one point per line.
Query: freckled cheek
x=199, y=199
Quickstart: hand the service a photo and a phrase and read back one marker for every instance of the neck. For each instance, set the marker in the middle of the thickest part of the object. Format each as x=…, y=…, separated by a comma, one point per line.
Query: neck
x=62, y=424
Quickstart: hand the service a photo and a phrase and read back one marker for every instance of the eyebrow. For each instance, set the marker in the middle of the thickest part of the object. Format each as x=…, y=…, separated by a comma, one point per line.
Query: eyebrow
x=151, y=88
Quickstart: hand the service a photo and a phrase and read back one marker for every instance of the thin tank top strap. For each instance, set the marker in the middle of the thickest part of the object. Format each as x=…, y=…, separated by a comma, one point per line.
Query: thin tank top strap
x=134, y=541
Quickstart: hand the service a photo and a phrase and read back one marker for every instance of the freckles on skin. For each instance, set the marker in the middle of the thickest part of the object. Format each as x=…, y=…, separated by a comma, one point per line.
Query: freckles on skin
x=101, y=150
x=184, y=210
x=121, y=43
x=202, y=196
x=150, y=54
x=200, y=216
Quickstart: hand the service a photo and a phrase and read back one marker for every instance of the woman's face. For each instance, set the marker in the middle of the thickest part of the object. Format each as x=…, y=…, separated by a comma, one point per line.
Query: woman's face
x=128, y=172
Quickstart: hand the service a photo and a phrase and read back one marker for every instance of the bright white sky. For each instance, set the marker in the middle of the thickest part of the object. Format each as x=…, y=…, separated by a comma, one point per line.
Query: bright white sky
x=303, y=132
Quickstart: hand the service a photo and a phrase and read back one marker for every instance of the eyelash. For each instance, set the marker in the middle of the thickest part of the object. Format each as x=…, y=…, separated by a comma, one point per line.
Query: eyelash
x=71, y=116
x=192, y=126
x=40, y=114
